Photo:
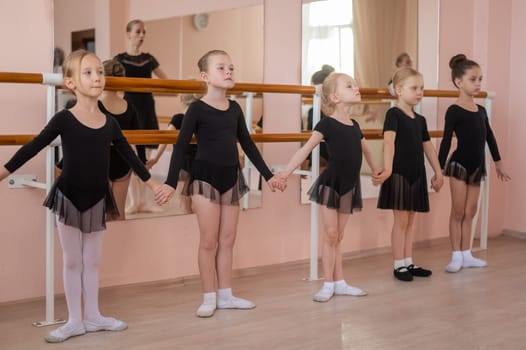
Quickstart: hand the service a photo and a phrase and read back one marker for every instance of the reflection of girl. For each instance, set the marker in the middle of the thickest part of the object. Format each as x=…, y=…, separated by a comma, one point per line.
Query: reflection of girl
x=139, y=64
x=122, y=111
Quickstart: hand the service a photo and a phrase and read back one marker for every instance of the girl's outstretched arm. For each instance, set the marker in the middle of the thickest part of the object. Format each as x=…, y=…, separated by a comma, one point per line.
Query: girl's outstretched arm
x=302, y=154
x=438, y=179
x=389, y=139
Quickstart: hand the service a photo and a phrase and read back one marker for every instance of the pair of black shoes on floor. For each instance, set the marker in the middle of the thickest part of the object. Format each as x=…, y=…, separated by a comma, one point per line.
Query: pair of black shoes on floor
x=406, y=273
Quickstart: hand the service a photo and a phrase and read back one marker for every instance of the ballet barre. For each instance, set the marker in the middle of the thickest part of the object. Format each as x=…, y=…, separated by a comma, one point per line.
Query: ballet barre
x=249, y=91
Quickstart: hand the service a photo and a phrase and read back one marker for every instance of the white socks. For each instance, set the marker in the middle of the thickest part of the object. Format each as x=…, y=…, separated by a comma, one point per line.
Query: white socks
x=207, y=308
x=342, y=288
x=456, y=262
x=469, y=260
x=226, y=300
x=325, y=293
x=399, y=263
x=464, y=259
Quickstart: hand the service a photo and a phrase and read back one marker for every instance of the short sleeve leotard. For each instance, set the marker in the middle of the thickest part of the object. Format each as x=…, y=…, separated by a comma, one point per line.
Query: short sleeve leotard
x=83, y=183
x=141, y=66
x=406, y=188
x=467, y=163
x=338, y=186
x=215, y=171
x=119, y=168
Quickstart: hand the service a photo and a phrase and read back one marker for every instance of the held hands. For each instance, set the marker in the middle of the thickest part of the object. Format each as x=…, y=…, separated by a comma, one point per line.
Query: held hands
x=379, y=178
x=163, y=194
x=437, y=181
x=501, y=173
x=277, y=182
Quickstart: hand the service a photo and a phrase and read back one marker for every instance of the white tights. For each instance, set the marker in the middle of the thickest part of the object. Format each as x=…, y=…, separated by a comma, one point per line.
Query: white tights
x=81, y=255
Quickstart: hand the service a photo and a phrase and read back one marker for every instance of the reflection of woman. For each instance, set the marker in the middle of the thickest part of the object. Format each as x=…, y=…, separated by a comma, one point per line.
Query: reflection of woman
x=140, y=64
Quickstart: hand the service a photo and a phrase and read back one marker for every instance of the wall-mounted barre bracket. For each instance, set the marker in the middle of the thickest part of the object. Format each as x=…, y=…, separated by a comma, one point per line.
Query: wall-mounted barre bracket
x=24, y=181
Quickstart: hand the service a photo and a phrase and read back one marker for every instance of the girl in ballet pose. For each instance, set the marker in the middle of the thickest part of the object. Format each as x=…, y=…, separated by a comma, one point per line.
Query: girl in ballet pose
x=81, y=196
x=216, y=183
x=337, y=189
x=466, y=167
x=403, y=179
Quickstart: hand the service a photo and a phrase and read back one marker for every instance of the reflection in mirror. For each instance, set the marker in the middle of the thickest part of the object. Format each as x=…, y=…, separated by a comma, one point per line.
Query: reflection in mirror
x=177, y=42
x=361, y=38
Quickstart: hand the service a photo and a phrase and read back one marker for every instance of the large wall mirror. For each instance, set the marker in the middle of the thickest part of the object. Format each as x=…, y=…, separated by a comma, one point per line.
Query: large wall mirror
x=177, y=40
x=363, y=39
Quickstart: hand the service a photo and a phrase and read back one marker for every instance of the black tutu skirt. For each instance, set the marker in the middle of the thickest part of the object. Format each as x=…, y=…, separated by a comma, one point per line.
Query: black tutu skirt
x=87, y=221
x=398, y=193
x=332, y=193
x=223, y=185
x=456, y=170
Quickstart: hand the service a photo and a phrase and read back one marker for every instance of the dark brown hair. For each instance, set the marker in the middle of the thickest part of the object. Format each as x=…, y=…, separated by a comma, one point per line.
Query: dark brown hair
x=459, y=64
x=113, y=68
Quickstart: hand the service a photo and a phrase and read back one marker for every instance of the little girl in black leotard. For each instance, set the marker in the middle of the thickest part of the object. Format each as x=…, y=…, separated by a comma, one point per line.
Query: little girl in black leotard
x=337, y=189
x=216, y=183
x=404, y=182
x=81, y=197
x=466, y=167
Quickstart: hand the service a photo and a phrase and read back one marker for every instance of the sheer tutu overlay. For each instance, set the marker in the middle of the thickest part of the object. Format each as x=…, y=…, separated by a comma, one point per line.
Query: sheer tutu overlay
x=399, y=194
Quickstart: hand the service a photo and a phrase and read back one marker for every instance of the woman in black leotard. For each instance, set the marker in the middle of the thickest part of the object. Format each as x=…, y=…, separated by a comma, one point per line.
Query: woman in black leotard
x=337, y=189
x=466, y=167
x=140, y=64
x=216, y=183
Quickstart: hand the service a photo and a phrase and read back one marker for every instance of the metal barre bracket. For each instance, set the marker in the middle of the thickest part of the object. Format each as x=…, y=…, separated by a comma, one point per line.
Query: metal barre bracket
x=24, y=181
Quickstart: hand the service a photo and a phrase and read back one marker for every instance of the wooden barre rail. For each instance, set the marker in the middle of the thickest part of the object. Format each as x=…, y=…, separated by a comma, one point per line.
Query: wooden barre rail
x=148, y=137
x=190, y=86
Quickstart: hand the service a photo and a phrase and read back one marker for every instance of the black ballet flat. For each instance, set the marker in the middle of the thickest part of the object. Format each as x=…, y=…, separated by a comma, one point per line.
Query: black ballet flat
x=418, y=271
x=405, y=276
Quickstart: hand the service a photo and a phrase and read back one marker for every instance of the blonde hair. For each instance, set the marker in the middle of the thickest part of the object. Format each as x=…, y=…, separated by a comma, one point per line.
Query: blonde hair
x=403, y=74
x=71, y=65
x=202, y=64
x=188, y=99
x=327, y=89
x=129, y=26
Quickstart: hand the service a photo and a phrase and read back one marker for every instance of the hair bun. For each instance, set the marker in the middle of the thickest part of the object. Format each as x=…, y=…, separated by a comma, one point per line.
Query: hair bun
x=455, y=60
x=327, y=68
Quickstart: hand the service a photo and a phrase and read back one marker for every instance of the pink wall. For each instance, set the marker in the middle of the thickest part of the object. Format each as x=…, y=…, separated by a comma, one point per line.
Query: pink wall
x=28, y=48
x=471, y=30
x=515, y=205
x=165, y=248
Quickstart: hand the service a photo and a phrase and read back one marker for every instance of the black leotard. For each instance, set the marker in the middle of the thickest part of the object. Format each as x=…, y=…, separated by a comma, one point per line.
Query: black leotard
x=217, y=132
x=338, y=186
x=86, y=161
x=406, y=188
x=472, y=130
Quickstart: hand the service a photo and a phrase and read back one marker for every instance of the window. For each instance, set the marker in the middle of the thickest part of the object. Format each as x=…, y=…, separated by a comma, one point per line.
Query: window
x=327, y=37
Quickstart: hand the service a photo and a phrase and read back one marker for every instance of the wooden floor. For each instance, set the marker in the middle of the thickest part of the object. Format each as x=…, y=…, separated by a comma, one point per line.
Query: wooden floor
x=472, y=309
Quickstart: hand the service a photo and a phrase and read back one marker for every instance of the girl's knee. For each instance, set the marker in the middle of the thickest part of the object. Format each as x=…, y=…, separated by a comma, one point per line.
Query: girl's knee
x=332, y=237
